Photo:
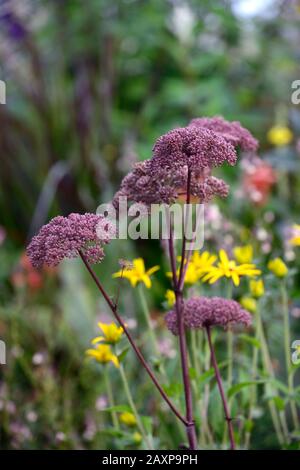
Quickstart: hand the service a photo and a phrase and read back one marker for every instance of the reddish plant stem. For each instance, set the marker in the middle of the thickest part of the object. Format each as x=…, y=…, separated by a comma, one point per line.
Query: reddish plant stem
x=221, y=389
x=172, y=257
x=178, y=289
x=191, y=431
x=184, y=262
x=137, y=351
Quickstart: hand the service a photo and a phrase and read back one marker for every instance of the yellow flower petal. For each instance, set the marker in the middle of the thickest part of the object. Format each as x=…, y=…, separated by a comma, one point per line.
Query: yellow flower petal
x=115, y=360
x=223, y=257
x=235, y=279
x=147, y=281
x=139, y=265
x=98, y=339
x=152, y=270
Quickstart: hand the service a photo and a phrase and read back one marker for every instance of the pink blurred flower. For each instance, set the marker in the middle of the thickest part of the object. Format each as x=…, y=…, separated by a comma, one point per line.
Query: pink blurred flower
x=2, y=235
x=258, y=179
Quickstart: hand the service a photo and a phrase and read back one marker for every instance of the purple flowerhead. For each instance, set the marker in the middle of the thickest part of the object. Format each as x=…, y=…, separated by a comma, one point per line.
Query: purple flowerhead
x=147, y=185
x=193, y=147
x=233, y=132
x=201, y=312
x=63, y=237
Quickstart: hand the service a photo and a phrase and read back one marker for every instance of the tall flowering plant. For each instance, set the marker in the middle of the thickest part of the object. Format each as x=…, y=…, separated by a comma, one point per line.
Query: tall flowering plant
x=180, y=170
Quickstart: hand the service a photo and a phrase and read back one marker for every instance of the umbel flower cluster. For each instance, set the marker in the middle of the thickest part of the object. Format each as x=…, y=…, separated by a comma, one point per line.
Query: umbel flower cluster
x=201, y=312
x=194, y=150
x=64, y=237
x=191, y=151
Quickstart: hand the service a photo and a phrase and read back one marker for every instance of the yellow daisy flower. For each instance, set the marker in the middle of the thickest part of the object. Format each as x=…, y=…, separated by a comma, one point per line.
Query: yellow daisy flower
x=229, y=268
x=198, y=265
x=248, y=303
x=191, y=274
x=243, y=254
x=278, y=267
x=257, y=288
x=295, y=240
x=138, y=273
x=102, y=353
x=170, y=297
x=137, y=437
x=128, y=419
x=280, y=136
x=112, y=333
x=202, y=261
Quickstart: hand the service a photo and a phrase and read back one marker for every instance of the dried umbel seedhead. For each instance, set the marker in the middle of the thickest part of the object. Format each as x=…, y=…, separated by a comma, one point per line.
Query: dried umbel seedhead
x=64, y=237
x=233, y=132
x=201, y=312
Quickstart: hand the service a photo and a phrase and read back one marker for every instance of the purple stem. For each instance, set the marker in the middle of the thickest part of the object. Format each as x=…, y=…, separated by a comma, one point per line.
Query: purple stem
x=221, y=390
x=184, y=262
x=172, y=258
x=137, y=351
x=178, y=288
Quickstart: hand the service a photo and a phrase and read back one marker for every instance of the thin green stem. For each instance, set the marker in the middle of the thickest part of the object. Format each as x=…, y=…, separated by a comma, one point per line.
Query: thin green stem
x=147, y=439
x=147, y=316
x=253, y=394
x=205, y=429
x=196, y=352
x=269, y=371
x=287, y=350
x=229, y=343
x=228, y=419
x=110, y=396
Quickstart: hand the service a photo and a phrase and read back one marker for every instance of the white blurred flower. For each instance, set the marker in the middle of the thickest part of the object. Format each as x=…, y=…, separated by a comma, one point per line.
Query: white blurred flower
x=101, y=403
x=183, y=21
x=38, y=358
x=31, y=416
x=166, y=348
x=60, y=436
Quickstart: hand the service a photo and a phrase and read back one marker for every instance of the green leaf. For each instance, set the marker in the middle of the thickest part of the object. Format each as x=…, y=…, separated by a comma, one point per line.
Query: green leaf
x=122, y=354
x=210, y=373
x=238, y=387
x=174, y=390
x=279, y=402
x=279, y=385
x=249, y=339
x=113, y=432
x=118, y=408
x=147, y=422
x=249, y=424
x=193, y=373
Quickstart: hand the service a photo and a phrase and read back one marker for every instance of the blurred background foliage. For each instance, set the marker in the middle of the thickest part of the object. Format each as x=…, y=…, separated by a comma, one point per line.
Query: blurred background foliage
x=90, y=86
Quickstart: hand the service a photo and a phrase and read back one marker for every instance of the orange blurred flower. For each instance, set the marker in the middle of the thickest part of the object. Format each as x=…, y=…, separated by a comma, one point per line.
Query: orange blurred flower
x=258, y=181
x=26, y=276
